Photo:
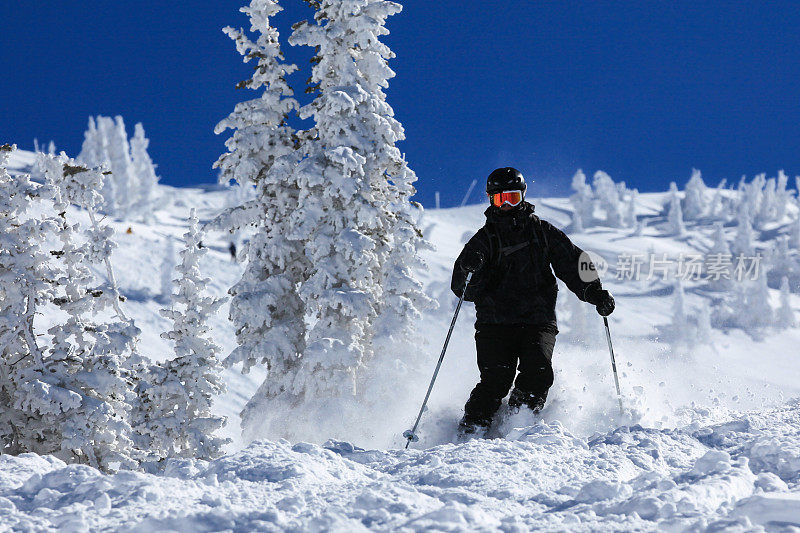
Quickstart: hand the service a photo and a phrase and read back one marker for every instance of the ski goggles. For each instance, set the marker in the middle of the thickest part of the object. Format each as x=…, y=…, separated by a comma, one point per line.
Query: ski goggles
x=512, y=198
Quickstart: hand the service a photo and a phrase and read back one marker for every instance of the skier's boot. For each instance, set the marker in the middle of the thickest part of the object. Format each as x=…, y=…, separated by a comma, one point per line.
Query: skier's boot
x=470, y=428
x=531, y=400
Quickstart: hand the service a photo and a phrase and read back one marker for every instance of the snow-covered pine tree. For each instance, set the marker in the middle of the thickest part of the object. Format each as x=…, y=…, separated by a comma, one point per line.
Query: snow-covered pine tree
x=782, y=196
x=24, y=288
x=720, y=245
x=719, y=203
x=767, y=208
x=753, y=194
x=743, y=242
x=179, y=421
x=782, y=264
x=607, y=193
x=93, y=364
x=94, y=154
x=785, y=315
x=694, y=204
x=118, y=156
x=129, y=191
x=144, y=202
x=360, y=231
x=267, y=312
x=675, y=225
x=582, y=202
x=731, y=311
x=343, y=211
x=720, y=253
x=395, y=346
x=759, y=310
x=92, y=150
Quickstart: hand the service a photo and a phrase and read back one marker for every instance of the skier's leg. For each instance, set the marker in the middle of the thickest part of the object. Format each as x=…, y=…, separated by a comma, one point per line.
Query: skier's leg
x=497, y=364
x=535, y=369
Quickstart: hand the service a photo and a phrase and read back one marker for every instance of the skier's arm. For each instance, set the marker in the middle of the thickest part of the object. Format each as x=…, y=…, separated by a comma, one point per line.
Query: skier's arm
x=566, y=260
x=478, y=244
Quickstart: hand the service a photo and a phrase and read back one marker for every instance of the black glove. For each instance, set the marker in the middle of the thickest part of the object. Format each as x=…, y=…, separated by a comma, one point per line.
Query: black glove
x=600, y=298
x=472, y=260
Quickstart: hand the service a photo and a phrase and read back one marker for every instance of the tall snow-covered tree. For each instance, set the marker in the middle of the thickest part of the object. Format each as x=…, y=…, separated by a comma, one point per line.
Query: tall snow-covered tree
x=24, y=288
x=582, y=202
x=718, y=209
x=93, y=151
x=767, y=209
x=360, y=232
x=342, y=212
x=759, y=312
x=129, y=191
x=680, y=321
x=179, y=421
x=720, y=245
x=95, y=154
x=95, y=364
x=781, y=261
x=743, y=242
x=720, y=253
x=608, y=195
x=694, y=204
x=145, y=171
x=266, y=310
x=782, y=196
x=395, y=346
x=675, y=225
x=118, y=154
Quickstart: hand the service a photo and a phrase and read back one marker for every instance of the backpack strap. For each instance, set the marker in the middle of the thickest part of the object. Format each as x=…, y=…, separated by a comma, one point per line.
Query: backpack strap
x=541, y=237
x=495, y=246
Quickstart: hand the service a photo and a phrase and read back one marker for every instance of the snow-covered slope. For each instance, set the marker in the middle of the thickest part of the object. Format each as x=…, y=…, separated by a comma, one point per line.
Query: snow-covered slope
x=732, y=476
x=708, y=438
x=21, y=161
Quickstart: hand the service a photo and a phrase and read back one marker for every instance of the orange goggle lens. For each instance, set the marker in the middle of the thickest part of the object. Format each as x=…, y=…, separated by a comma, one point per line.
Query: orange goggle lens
x=511, y=197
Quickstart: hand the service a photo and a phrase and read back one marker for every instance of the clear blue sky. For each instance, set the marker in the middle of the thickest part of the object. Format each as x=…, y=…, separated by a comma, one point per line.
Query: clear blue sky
x=644, y=90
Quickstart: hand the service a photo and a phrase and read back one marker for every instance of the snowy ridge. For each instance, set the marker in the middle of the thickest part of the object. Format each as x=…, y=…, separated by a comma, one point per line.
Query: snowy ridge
x=733, y=475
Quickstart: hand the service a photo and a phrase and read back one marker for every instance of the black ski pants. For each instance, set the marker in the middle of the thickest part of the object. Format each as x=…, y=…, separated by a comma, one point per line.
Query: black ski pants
x=501, y=351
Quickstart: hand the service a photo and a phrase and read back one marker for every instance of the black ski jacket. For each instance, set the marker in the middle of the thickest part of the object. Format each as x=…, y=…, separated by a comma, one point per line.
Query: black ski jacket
x=516, y=285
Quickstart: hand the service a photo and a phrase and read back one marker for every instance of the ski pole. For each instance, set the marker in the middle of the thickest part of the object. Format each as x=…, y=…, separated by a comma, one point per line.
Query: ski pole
x=613, y=365
x=411, y=434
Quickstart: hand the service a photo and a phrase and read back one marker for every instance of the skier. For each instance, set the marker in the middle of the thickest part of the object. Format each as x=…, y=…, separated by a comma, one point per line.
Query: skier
x=514, y=291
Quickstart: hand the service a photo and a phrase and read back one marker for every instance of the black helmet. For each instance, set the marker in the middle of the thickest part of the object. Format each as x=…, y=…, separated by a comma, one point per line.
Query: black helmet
x=505, y=179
